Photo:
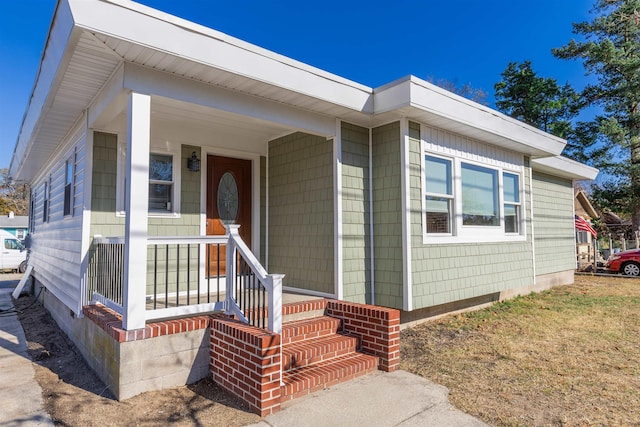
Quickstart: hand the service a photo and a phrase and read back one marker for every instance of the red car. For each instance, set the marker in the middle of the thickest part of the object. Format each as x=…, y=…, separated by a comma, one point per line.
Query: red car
x=627, y=262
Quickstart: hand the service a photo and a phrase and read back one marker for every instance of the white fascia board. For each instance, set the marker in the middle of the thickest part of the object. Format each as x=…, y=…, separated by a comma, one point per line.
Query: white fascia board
x=57, y=51
x=564, y=167
x=144, y=80
x=174, y=36
x=412, y=92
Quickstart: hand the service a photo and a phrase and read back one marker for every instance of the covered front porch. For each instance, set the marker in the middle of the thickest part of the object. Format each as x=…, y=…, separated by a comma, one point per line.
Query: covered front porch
x=188, y=191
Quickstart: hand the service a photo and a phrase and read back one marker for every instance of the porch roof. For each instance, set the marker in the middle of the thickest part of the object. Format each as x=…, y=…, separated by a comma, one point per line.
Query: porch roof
x=88, y=42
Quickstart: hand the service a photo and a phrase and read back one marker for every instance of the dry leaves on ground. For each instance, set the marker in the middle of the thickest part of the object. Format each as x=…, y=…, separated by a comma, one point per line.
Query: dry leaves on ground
x=569, y=356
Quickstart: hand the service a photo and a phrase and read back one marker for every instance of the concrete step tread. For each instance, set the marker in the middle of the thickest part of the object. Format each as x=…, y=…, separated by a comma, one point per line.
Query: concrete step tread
x=309, y=379
x=302, y=353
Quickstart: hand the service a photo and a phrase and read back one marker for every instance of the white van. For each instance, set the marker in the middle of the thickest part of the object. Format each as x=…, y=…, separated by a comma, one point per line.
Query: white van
x=13, y=256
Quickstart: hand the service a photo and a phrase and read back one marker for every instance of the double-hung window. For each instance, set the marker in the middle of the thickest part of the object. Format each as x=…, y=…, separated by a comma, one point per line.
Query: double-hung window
x=68, y=186
x=45, y=200
x=511, y=192
x=160, y=182
x=164, y=180
x=439, y=195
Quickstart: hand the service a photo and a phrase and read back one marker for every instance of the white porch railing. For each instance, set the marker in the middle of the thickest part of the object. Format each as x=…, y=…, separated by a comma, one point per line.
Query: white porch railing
x=185, y=277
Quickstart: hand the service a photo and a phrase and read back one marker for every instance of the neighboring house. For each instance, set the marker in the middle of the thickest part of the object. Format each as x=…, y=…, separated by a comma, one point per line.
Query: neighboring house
x=585, y=238
x=147, y=135
x=16, y=225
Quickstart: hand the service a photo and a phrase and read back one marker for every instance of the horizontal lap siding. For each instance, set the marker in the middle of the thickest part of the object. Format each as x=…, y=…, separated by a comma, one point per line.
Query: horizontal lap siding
x=301, y=211
x=446, y=273
x=356, y=241
x=553, y=224
x=387, y=215
x=56, y=244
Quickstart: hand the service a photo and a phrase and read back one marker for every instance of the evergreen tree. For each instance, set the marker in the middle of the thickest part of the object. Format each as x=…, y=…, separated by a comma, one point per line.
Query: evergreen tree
x=542, y=103
x=535, y=100
x=610, y=50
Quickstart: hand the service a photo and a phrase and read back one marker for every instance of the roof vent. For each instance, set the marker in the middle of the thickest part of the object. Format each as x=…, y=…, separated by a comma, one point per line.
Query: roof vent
x=11, y=214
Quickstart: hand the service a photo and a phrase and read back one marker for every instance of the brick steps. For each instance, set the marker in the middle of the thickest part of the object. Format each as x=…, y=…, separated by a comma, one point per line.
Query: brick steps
x=309, y=329
x=316, y=355
x=313, y=351
x=309, y=379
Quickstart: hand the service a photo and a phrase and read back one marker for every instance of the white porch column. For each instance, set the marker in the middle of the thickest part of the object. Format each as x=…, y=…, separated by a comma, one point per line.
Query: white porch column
x=136, y=205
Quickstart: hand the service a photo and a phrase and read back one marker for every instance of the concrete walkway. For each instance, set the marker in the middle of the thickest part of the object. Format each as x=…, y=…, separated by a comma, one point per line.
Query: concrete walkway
x=380, y=399
x=20, y=393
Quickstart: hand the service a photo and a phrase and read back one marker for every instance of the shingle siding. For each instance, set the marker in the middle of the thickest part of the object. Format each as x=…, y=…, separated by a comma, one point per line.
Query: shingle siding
x=105, y=222
x=301, y=211
x=387, y=215
x=356, y=243
x=445, y=273
x=554, y=225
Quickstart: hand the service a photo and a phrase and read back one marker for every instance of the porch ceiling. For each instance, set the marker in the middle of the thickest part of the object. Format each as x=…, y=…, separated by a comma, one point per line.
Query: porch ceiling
x=236, y=129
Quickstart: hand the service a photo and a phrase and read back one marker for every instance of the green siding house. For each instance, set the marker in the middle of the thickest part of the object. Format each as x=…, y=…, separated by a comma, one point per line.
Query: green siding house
x=164, y=161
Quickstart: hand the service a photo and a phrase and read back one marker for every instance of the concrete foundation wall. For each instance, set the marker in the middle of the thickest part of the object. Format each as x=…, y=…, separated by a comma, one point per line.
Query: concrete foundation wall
x=133, y=367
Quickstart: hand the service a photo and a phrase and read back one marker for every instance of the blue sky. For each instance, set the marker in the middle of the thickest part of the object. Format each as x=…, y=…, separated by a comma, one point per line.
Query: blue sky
x=371, y=42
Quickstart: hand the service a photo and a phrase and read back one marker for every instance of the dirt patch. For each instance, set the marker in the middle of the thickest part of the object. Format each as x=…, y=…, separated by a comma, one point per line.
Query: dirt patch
x=74, y=396
x=566, y=357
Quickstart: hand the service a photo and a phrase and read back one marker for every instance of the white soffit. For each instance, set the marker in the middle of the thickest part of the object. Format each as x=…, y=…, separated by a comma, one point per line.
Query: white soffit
x=564, y=168
x=432, y=105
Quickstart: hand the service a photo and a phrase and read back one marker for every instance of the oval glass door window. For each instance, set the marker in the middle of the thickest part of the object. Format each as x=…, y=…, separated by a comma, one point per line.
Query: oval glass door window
x=228, y=198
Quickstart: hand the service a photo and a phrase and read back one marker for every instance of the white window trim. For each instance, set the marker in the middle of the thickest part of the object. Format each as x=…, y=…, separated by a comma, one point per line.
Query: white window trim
x=157, y=147
x=466, y=233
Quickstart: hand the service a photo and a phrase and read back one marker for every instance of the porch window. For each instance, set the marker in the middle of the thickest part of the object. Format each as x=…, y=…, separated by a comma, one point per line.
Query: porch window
x=439, y=194
x=511, y=191
x=164, y=180
x=160, y=182
x=582, y=237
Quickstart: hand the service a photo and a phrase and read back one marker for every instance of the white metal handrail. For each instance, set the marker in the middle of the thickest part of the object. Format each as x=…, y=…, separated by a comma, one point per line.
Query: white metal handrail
x=271, y=282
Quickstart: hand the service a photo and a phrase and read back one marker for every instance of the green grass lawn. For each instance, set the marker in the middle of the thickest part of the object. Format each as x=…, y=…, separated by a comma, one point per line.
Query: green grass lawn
x=569, y=356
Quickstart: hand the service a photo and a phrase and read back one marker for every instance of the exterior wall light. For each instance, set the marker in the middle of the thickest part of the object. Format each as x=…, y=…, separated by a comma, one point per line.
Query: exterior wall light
x=193, y=164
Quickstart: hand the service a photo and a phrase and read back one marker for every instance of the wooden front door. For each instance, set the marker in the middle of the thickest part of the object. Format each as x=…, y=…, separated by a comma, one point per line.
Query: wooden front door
x=228, y=201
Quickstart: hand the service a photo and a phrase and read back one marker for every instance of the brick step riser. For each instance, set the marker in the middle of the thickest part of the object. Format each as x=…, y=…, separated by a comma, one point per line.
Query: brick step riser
x=309, y=329
x=298, y=384
x=294, y=311
x=303, y=354
x=305, y=315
